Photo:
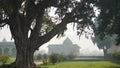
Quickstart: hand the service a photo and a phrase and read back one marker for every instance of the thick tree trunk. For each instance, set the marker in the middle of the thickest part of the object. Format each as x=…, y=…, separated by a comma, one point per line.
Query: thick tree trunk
x=105, y=52
x=24, y=58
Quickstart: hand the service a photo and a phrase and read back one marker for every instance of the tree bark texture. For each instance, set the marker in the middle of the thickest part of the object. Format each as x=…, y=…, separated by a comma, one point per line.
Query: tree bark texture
x=26, y=46
x=24, y=57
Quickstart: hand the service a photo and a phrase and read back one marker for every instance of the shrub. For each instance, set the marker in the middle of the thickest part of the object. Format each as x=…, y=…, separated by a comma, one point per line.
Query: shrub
x=39, y=57
x=54, y=58
x=45, y=59
x=69, y=57
x=4, y=58
x=115, y=55
x=61, y=57
x=6, y=66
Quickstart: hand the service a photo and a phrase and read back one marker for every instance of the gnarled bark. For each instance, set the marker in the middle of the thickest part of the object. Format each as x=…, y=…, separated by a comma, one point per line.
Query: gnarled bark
x=24, y=57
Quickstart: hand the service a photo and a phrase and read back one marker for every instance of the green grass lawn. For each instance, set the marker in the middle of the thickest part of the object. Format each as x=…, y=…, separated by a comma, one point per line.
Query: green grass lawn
x=84, y=64
x=77, y=63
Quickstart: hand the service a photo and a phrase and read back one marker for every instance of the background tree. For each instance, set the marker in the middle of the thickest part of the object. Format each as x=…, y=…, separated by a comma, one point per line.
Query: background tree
x=108, y=21
x=31, y=24
x=105, y=43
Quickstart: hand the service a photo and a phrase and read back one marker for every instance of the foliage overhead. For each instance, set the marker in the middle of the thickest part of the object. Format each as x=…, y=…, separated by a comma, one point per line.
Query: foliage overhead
x=104, y=43
x=80, y=12
x=76, y=11
x=108, y=21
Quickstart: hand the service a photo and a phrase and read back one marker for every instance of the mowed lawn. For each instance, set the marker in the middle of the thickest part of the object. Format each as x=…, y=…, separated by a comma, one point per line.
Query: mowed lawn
x=84, y=64
x=77, y=63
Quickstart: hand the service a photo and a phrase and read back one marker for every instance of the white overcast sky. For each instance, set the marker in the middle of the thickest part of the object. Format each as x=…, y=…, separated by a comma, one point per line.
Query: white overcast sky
x=86, y=45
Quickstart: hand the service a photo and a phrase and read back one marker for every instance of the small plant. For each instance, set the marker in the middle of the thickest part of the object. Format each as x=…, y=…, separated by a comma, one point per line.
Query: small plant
x=71, y=56
x=45, y=59
x=39, y=57
x=4, y=58
x=54, y=58
x=116, y=55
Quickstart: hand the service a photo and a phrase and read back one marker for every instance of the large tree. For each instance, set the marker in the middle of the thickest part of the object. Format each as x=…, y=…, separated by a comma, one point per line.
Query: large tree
x=107, y=24
x=31, y=24
x=108, y=21
x=105, y=43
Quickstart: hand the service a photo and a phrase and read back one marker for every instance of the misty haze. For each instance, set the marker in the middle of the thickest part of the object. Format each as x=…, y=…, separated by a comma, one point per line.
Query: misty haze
x=59, y=33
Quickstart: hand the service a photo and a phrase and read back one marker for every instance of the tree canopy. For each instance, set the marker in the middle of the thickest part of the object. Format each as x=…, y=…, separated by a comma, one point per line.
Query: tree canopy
x=35, y=15
x=109, y=19
x=105, y=43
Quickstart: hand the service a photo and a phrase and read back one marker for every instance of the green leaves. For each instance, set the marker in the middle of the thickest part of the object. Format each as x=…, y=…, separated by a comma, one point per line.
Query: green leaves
x=48, y=24
x=109, y=18
x=4, y=58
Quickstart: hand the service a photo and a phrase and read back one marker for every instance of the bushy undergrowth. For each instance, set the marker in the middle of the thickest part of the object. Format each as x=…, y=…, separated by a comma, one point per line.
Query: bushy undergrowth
x=53, y=58
x=4, y=58
x=116, y=55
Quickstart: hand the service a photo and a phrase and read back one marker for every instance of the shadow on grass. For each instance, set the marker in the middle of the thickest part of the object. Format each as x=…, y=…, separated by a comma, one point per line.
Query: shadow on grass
x=114, y=67
x=89, y=60
x=117, y=61
x=5, y=66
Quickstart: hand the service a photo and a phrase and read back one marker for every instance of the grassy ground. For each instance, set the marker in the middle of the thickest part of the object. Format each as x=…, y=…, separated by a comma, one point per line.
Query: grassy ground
x=84, y=64
x=80, y=63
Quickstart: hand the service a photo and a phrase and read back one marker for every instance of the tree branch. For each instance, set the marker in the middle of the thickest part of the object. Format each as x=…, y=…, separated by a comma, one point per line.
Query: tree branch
x=2, y=25
x=69, y=17
x=58, y=28
x=3, y=22
x=31, y=11
x=43, y=39
x=36, y=30
x=48, y=3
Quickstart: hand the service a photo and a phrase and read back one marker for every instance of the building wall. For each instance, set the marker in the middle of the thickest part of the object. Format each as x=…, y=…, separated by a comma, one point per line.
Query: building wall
x=7, y=47
x=67, y=48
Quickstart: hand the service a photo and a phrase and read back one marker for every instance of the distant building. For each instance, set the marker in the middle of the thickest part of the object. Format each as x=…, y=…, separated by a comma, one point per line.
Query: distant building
x=67, y=48
x=7, y=47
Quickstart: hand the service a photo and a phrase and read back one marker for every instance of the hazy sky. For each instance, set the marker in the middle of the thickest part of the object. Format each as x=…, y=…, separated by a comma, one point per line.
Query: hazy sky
x=86, y=45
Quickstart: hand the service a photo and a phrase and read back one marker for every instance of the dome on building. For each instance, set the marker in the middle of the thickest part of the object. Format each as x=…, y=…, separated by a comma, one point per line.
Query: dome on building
x=67, y=48
x=67, y=41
